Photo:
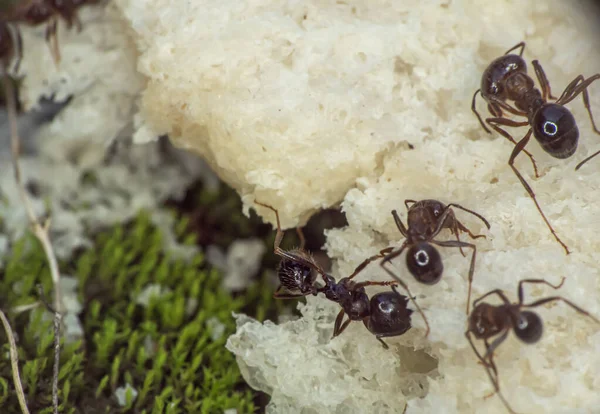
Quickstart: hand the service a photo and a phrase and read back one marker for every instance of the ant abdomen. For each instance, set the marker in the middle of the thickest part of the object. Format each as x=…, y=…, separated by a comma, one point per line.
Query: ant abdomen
x=424, y=263
x=529, y=327
x=389, y=315
x=555, y=128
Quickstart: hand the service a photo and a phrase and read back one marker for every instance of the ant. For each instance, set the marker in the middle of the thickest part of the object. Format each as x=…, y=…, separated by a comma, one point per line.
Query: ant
x=384, y=315
x=36, y=12
x=488, y=321
x=551, y=123
x=425, y=220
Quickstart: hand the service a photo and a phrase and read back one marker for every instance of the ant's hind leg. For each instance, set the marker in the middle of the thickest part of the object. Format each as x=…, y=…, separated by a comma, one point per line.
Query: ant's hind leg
x=543, y=80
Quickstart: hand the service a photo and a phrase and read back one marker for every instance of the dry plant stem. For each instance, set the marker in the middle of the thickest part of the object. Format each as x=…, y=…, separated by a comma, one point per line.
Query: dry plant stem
x=14, y=362
x=41, y=233
x=40, y=230
x=57, y=319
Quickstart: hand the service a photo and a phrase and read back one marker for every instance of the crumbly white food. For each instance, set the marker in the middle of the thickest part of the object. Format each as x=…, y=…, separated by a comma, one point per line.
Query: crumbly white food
x=302, y=104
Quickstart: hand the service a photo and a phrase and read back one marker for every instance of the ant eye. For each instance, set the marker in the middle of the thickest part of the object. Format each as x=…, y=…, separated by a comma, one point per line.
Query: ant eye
x=424, y=263
x=436, y=212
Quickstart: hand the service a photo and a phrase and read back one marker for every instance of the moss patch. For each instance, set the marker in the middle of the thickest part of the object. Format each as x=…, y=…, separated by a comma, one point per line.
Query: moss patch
x=169, y=351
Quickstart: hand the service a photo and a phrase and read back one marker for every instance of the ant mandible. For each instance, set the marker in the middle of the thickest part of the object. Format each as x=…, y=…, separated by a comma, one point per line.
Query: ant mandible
x=384, y=315
x=425, y=220
x=551, y=123
x=488, y=321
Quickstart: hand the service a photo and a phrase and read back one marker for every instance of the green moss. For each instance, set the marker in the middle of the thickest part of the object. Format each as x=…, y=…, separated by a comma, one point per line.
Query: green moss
x=167, y=353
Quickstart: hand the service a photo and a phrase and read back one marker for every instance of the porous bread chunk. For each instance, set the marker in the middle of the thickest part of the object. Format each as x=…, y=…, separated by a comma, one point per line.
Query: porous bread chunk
x=302, y=104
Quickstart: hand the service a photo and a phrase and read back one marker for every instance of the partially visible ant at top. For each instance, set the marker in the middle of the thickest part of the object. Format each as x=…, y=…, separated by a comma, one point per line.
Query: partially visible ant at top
x=385, y=314
x=489, y=321
x=36, y=12
x=425, y=220
x=551, y=123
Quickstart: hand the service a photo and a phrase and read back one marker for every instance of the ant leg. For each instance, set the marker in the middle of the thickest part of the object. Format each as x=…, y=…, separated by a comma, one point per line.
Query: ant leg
x=339, y=327
x=18, y=48
x=279, y=234
x=499, y=105
x=495, y=110
x=474, y=109
x=406, y=202
x=301, y=237
x=490, y=359
x=456, y=230
x=543, y=80
x=399, y=223
x=518, y=148
x=382, y=342
x=494, y=122
x=568, y=302
x=52, y=40
x=373, y=283
x=537, y=281
x=364, y=264
x=460, y=245
x=520, y=45
x=494, y=345
x=489, y=370
x=404, y=285
x=479, y=216
x=498, y=292
x=279, y=295
x=581, y=88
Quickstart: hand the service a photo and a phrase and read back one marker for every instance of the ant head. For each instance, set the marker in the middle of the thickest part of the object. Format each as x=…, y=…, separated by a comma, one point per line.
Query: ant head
x=528, y=327
x=555, y=128
x=494, y=77
x=424, y=263
x=482, y=321
x=38, y=12
x=296, y=276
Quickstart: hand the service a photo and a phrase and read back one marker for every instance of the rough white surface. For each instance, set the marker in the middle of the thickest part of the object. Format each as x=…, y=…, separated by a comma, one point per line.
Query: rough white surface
x=439, y=52
x=97, y=69
x=240, y=264
x=302, y=104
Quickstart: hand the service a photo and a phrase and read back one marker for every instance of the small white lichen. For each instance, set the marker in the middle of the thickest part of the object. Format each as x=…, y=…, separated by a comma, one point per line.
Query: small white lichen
x=125, y=394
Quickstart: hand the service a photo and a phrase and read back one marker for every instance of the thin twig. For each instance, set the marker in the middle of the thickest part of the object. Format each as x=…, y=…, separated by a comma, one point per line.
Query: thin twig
x=14, y=363
x=57, y=320
x=39, y=230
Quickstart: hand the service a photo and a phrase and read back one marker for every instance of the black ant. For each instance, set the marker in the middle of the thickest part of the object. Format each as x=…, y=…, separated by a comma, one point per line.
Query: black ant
x=425, y=220
x=551, y=123
x=384, y=315
x=36, y=12
x=488, y=321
